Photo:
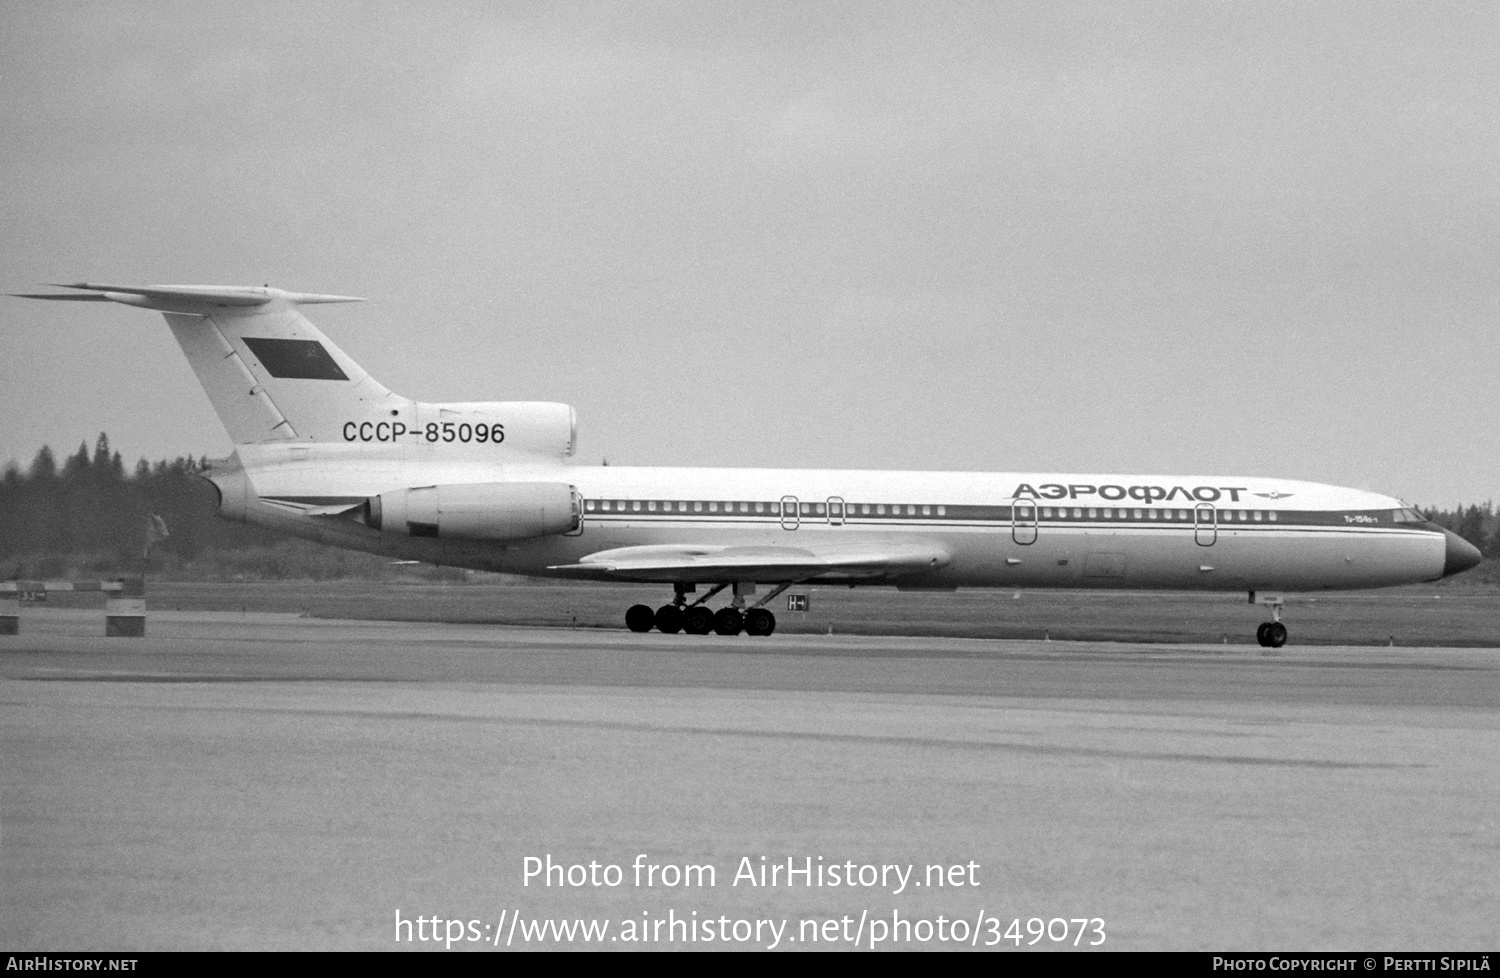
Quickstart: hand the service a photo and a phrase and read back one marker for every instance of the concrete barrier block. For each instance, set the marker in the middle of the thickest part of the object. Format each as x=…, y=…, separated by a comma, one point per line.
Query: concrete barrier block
x=10, y=609
x=125, y=609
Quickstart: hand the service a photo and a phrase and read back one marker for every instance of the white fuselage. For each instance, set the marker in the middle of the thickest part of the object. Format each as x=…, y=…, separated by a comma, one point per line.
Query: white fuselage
x=997, y=529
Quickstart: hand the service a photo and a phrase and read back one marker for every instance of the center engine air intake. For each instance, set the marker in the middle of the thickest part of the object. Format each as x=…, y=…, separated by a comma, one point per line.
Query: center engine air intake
x=504, y=511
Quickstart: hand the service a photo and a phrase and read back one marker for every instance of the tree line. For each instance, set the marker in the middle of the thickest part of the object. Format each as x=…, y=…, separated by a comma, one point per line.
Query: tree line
x=1480, y=525
x=89, y=514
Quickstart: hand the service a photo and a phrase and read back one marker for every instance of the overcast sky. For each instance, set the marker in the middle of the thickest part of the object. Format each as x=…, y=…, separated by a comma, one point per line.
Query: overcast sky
x=1256, y=239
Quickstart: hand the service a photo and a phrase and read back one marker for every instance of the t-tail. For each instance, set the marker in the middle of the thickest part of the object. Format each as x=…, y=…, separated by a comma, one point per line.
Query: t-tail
x=273, y=376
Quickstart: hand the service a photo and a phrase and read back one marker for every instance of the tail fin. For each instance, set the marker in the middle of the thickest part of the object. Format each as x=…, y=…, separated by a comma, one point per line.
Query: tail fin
x=270, y=373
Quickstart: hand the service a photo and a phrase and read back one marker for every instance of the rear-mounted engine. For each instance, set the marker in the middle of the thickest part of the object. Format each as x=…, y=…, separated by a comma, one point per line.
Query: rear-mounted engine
x=503, y=511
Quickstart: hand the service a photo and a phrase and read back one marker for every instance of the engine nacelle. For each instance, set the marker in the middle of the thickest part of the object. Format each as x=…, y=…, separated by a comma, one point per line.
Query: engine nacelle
x=503, y=511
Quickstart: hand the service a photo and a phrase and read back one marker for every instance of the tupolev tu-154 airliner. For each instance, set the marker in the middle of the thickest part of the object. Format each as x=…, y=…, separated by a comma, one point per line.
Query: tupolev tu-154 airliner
x=324, y=451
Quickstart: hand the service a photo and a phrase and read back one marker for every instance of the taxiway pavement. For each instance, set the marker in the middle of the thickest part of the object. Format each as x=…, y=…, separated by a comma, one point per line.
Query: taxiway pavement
x=268, y=781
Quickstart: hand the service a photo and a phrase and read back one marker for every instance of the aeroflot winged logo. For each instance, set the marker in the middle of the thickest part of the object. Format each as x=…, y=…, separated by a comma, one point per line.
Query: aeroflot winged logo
x=1144, y=494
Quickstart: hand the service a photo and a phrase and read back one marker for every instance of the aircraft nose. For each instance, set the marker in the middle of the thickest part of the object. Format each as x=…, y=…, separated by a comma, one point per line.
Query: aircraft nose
x=1461, y=554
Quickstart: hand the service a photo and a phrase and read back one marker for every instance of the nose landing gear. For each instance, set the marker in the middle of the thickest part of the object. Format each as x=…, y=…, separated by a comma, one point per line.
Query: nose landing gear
x=1271, y=634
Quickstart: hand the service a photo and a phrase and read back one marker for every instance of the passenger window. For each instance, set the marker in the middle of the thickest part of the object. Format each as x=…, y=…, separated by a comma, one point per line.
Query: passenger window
x=713, y=507
x=651, y=505
x=1109, y=514
x=1243, y=517
x=1257, y=515
x=864, y=509
x=759, y=507
x=911, y=511
x=942, y=510
x=880, y=509
x=1271, y=516
x=636, y=505
x=1093, y=514
x=1182, y=514
x=1047, y=511
x=1078, y=513
x=1137, y=513
x=926, y=510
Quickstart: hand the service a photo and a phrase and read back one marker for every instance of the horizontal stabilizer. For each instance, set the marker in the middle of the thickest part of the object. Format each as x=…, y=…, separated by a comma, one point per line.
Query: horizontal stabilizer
x=183, y=298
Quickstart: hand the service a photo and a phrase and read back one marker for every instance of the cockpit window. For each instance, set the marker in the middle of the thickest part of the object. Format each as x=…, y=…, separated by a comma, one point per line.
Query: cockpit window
x=1408, y=514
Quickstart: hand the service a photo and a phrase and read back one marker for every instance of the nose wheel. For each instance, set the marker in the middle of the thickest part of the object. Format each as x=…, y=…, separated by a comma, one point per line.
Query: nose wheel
x=1271, y=634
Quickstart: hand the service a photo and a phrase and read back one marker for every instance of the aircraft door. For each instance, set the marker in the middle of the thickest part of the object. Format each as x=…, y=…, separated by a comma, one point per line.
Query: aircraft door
x=578, y=508
x=1205, y=524
x=789, y=516
x=1023, y=517
x=835, y=511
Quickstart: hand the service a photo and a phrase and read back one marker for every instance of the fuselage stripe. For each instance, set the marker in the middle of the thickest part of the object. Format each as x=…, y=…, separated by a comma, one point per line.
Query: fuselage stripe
x=839, y=513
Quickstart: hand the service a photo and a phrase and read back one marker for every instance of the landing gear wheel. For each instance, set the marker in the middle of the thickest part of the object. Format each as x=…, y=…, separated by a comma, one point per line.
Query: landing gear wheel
x=1275, y=635
x=759, y=621
x=698, y=620
x=728, y=621
x=640, y=618
x=669, y=619
x=1260, y=633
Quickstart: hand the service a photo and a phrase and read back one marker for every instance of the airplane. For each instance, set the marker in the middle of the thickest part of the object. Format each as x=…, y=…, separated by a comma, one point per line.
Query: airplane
x=325, y=452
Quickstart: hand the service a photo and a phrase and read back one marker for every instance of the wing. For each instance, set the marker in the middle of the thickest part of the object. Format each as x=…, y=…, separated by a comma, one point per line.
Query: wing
x=832, y=562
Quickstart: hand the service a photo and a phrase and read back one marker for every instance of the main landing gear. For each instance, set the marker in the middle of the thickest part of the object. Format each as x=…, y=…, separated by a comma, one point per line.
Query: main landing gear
x=1271, y=634
x=698, y=619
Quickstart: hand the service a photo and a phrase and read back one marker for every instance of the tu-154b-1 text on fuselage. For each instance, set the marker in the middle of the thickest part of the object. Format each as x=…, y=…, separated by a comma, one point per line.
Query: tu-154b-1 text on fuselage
x=324, y=451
